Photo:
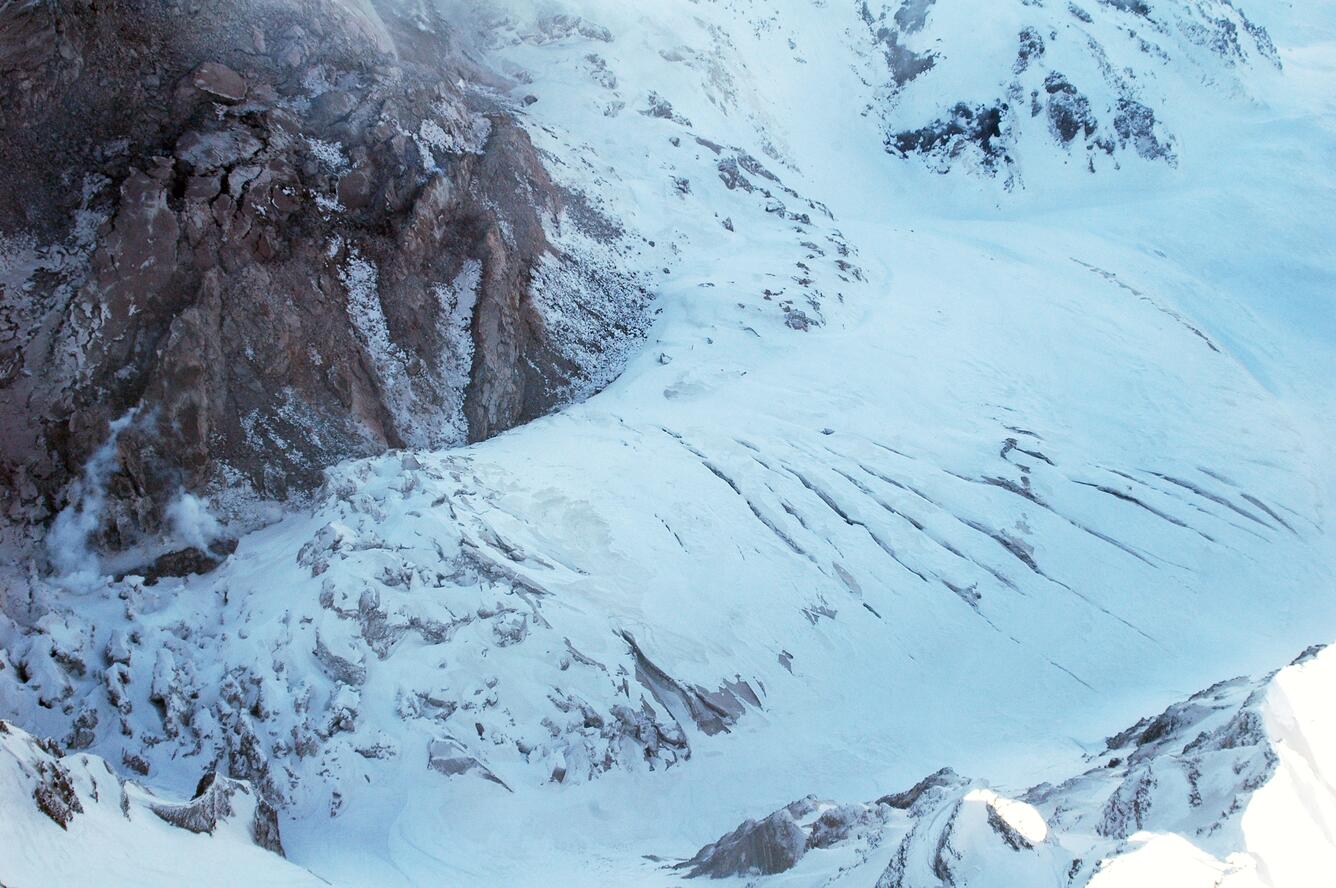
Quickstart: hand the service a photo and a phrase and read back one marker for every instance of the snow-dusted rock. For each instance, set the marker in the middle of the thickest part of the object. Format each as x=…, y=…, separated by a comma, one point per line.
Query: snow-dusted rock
x=280, y=245
x=771, y=846
x=1099, y=81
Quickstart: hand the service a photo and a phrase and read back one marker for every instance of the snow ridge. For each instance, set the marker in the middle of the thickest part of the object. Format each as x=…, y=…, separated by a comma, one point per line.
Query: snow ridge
x=1202, y=794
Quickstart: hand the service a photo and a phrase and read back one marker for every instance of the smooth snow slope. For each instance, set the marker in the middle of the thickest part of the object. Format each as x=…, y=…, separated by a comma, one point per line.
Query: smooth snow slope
x=1053, y=451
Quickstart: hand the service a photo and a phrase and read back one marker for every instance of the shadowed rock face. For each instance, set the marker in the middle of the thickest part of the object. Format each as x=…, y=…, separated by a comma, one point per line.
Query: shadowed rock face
x=771, y=846
x=284, y=234
x=213, y=804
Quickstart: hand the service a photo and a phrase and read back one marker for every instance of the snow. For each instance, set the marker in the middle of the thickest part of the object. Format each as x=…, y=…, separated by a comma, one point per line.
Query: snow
x=458, y=299
x=1289, y=823
x=361, y=280
x=1047, y=460
x=331, y=154
x=115, y=838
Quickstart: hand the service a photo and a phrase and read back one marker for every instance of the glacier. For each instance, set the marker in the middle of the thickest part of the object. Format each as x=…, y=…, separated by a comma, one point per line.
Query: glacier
x=965, y=436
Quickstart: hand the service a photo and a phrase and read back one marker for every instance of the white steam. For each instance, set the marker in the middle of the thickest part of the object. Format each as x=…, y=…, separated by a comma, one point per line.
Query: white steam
x=191, y=521
x=67, y=543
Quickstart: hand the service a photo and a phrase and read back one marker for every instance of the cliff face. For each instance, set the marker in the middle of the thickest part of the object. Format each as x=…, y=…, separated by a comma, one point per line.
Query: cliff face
x=275, y=235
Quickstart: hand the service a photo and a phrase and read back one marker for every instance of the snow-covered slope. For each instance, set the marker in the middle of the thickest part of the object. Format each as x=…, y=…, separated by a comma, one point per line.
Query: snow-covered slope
x=69, y=820
x=917, y=469
x=1230, y=787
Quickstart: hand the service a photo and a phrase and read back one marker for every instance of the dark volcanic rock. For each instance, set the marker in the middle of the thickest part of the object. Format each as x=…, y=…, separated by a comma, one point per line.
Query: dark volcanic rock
x=1069, y=113
x=54, y=794
x=771, y=846
x=283, y=235
x=1105, y=105
x=1136, y=127
x=981, y=128
x=903, y=63
x=219, y=80
x=190, y=560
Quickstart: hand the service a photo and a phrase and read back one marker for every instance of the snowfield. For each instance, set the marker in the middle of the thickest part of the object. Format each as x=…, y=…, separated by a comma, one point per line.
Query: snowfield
x=964, y=449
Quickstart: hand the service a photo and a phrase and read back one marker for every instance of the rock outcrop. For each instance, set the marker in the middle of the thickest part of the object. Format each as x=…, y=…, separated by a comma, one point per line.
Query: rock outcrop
x=1086, y=79
x=771, y=846
x=213, y=804
x=268, y=236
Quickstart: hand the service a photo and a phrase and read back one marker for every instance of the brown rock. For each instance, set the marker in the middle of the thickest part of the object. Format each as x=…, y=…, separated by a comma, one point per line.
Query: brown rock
x=202, y=187
x=219, y=81
x=267, y=286
x=355, y=190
